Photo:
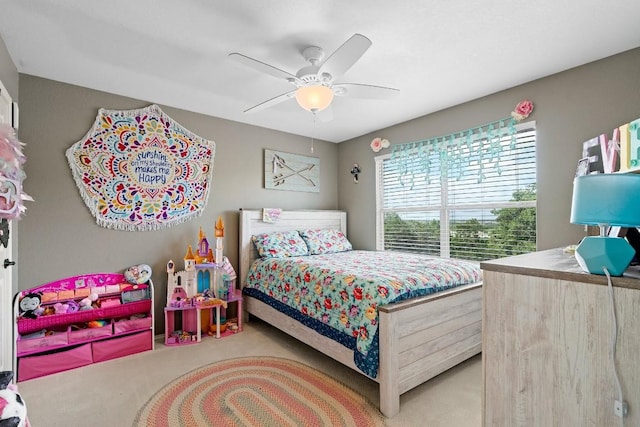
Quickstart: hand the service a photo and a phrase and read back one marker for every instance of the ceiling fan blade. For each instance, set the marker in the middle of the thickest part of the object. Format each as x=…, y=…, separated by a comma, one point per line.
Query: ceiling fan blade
x=261, y=66
x=356, y=90
x=271, y=102
x=345, y=56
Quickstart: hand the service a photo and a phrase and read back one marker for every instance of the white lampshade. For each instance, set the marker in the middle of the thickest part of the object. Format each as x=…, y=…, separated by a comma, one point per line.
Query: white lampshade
x=314, y=98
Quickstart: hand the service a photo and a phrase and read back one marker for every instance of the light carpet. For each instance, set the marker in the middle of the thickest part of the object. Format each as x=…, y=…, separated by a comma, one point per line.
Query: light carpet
x=257, y=391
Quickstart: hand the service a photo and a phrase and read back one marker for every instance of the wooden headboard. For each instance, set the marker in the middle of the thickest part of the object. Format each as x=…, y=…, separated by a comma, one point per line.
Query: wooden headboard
x=251, y=223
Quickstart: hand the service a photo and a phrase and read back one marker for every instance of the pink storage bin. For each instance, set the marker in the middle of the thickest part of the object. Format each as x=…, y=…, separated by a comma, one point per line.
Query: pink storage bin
x=66, y=294
x=113, y=289
x=56, y=339
x=38, y=366
x=99, y=290
x=110, y=302
x=122, y=326
x=82, y=292
x=26, y=326
x=123, y=346
x=81, y=335
x=49, y=296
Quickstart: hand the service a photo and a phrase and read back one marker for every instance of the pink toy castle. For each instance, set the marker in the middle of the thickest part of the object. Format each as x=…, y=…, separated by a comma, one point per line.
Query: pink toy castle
x=202, y=271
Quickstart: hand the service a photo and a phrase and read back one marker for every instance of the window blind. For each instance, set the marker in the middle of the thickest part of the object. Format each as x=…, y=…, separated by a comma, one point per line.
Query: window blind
x=446, y=210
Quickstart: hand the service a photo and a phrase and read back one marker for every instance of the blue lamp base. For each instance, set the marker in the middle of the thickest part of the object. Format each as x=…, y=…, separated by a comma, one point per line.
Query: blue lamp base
x=596, y=252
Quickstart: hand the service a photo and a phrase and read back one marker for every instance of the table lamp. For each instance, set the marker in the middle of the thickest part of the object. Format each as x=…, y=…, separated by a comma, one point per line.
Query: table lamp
x=605, y=200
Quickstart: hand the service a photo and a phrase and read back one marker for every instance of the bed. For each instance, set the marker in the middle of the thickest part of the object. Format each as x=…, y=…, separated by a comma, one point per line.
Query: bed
x=416, y=338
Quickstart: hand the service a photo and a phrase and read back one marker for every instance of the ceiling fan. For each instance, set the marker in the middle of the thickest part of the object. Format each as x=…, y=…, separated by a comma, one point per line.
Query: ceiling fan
x=317, y=83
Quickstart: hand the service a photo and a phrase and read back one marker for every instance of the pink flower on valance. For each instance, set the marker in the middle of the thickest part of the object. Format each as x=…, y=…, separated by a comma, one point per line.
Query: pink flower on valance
x=522, y=110
x=378, y=144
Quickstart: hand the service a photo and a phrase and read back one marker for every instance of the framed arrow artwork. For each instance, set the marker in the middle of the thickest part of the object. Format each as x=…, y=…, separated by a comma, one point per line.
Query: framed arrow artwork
x=285, y=171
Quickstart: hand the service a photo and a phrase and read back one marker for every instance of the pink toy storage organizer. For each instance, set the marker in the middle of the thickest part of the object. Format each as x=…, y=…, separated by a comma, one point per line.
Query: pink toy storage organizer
x=61, y=347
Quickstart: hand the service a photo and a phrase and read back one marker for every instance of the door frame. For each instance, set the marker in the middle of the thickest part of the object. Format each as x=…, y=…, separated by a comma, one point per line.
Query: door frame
x=7, y=276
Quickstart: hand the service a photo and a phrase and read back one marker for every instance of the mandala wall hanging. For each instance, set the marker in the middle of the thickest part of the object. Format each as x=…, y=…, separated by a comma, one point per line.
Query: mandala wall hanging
x=140, y=170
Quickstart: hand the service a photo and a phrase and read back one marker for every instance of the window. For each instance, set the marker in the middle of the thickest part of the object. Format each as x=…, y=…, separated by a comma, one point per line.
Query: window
x=473, y=207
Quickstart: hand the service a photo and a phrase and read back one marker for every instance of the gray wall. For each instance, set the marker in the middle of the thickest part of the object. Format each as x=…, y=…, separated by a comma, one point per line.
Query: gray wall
x=8, y=71
x=58, y=235
x=570, y=107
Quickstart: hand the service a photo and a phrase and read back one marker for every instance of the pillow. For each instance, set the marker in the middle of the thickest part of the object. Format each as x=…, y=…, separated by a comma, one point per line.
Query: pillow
x=325, y=241
x=280, y=244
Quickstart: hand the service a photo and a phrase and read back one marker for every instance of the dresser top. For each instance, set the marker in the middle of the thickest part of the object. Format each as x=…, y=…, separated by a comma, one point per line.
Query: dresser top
x=557, y=264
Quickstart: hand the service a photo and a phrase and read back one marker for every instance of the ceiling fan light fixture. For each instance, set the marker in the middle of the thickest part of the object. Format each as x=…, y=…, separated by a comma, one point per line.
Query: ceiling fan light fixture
x=314, y=98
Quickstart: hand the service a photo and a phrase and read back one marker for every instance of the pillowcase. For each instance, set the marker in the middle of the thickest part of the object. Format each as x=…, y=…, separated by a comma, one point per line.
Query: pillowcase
x=325, y=241
x=280, y=244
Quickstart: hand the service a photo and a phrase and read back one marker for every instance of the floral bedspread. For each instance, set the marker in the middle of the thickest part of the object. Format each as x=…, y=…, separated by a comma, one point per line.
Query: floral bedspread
x=338, y=294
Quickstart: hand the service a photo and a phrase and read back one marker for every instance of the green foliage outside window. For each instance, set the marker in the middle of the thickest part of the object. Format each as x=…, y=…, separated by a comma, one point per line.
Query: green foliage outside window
x=512, y=232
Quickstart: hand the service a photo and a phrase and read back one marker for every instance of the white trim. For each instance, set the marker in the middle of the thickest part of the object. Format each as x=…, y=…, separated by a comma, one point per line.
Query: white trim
x=379, y=207
x=7, y=275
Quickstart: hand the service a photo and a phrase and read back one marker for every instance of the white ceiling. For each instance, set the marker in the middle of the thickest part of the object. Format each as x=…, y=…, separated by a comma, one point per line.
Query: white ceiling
x=438, y=53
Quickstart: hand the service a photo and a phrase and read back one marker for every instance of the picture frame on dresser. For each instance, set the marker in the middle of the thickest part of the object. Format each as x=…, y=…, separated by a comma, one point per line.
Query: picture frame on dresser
x=592, y=151
x=583, y=167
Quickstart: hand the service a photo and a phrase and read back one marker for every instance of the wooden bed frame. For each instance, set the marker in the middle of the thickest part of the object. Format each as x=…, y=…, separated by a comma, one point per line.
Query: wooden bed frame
x=419, y=338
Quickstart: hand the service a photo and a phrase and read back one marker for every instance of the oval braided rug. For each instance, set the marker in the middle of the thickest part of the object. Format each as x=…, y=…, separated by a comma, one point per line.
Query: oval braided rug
x=257, y=391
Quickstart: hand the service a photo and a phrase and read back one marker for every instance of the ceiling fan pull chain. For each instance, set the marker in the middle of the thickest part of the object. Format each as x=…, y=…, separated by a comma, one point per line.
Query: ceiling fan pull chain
x=315, y=125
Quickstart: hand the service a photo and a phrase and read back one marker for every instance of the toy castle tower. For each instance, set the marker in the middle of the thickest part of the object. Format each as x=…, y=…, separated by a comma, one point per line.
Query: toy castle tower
x=205, y=254
x=201, y=270
x=182, y=284
x=219, y=233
